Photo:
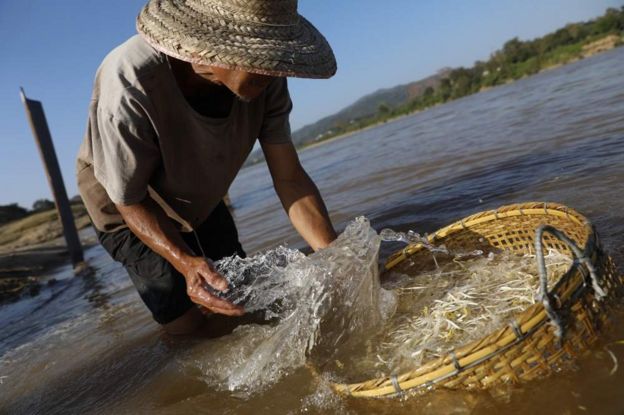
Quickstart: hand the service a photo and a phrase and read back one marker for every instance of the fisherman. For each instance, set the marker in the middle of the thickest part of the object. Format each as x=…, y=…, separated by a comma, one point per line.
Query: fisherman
x=175, y=112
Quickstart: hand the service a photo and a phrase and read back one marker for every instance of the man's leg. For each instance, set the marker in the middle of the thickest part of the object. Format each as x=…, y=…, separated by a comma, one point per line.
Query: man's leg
x=161, y=287
x=187, y=323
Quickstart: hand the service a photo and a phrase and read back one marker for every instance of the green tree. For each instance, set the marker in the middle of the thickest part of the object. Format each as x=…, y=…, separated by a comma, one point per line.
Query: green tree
x=444, y=89
x=11, y=212
x=383, y=109
x=42, y=204
x=516, y=51
x=612, y=21
x=461, y=81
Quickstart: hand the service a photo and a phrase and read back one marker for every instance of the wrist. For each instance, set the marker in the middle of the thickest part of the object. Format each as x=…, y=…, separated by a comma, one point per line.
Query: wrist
x=184, y=262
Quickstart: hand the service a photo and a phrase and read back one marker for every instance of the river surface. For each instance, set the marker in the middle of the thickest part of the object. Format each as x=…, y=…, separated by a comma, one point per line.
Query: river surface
x=87, y=345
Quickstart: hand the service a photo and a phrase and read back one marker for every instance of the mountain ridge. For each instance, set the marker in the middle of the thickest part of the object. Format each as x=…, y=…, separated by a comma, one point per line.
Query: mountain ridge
x=363, y=107
x=366, y=106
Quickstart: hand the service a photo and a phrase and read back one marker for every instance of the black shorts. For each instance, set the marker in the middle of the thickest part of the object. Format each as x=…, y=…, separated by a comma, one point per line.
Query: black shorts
x=161, y=287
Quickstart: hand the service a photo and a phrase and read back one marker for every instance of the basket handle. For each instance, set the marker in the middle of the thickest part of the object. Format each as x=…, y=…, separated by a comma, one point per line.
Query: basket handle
x=541, y=267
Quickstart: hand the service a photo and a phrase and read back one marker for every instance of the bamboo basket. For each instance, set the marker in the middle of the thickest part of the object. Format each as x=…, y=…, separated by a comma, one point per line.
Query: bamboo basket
x=544, y=337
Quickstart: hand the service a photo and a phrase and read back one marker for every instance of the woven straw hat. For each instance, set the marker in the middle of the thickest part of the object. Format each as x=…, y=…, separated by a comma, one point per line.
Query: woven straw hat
x=260, y=36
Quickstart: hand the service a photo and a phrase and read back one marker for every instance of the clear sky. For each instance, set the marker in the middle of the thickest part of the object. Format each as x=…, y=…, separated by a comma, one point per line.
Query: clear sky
x=53, y=48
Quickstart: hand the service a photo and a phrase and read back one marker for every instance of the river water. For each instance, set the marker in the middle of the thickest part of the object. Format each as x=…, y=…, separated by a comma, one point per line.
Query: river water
x=87, y=345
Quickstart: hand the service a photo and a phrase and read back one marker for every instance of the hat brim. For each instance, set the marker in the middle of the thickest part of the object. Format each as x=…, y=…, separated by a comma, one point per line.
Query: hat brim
x=298, y=50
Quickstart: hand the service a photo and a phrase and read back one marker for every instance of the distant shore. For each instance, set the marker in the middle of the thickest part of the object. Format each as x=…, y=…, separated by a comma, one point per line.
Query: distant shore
x=596, y=47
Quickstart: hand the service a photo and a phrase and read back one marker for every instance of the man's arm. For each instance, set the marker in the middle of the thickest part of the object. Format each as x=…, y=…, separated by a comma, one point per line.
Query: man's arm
x=151, y=225
x=299, y=195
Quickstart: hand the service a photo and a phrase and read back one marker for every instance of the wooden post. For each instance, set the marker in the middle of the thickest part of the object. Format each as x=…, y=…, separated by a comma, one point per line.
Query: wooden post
x=41, y=132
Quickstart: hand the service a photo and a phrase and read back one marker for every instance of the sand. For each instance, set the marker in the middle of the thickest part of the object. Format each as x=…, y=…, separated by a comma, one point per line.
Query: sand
x=32, y=247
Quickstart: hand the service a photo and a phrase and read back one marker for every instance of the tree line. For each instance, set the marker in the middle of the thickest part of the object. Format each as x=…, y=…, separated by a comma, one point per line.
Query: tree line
x=516, y=59
x=14, y=211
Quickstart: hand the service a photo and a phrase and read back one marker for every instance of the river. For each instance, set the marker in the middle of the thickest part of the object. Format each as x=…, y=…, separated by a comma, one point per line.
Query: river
x=87, y=345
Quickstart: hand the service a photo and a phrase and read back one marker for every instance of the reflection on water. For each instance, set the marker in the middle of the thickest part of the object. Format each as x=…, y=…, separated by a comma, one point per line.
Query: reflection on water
x=557, y=136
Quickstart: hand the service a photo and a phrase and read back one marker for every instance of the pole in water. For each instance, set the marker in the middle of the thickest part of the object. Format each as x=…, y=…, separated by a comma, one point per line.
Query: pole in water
x=41, y=132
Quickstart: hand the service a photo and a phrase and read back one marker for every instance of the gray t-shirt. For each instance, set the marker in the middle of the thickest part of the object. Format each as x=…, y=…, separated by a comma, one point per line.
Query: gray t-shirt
x=144, y=137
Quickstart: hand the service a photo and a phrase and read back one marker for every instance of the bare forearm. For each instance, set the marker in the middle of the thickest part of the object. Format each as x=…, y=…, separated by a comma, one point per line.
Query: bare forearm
x=299, y=195
x=151, y=225
x=307, y=211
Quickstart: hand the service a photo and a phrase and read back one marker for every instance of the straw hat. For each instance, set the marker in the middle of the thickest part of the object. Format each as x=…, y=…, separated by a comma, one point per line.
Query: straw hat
x=260, y=36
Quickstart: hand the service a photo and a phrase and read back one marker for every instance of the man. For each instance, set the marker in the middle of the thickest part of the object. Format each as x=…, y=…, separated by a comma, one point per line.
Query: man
x=175, y=112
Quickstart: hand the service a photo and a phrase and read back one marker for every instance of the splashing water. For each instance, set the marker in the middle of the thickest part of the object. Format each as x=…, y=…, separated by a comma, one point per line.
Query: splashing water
x=262, y=282
x=321, y=303
x=411, y=237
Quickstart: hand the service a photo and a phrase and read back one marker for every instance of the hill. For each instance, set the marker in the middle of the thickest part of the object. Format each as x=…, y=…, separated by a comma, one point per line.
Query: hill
x=362, y=109
x=367, y=106
x=515, y=60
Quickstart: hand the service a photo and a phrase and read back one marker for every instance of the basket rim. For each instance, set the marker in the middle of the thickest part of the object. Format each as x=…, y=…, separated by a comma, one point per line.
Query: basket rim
x=473, y=353
x=517, y=209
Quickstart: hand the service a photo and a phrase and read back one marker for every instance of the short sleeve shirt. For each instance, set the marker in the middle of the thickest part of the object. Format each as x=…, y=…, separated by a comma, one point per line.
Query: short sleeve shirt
x=143, y=137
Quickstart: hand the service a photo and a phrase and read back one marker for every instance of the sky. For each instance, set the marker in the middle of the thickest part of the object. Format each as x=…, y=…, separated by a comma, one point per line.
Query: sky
x=53, y=48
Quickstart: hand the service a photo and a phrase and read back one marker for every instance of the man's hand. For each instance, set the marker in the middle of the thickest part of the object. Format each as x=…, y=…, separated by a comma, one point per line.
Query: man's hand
x=200, y=274
x=150, y=223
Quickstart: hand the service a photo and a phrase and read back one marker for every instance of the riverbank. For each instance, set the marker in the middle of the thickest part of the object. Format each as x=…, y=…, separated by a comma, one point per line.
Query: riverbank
x=555, y=59
x=33, y=246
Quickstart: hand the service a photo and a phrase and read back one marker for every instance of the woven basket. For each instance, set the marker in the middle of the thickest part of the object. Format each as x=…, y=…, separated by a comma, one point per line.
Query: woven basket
x=528, y=348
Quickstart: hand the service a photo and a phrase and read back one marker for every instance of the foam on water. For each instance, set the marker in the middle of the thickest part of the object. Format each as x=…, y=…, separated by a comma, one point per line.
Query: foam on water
x=262, y=283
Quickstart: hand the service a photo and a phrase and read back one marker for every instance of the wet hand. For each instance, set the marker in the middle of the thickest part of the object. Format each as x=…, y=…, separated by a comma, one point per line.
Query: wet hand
x=200, y=274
